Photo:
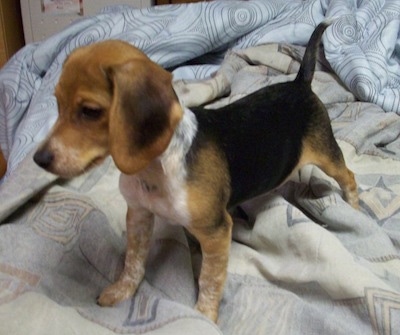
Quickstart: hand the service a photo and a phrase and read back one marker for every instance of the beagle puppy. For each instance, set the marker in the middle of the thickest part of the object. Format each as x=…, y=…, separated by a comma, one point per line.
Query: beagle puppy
x=186, y=166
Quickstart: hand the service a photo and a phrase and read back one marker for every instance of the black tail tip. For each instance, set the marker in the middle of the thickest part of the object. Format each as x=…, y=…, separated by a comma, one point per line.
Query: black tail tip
x=307, y=68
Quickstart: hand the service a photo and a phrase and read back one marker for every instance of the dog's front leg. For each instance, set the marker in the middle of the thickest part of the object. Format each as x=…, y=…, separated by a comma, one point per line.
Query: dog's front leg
x=215, y=244
x=139, y=228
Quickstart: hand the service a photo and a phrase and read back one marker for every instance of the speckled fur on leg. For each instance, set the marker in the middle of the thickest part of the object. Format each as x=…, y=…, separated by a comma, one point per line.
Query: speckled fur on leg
x=139, y=231
x=215, y=248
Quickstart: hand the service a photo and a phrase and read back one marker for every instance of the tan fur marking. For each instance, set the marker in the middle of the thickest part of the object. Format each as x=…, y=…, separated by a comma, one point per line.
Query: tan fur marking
x=333, y=165
x=208, y=194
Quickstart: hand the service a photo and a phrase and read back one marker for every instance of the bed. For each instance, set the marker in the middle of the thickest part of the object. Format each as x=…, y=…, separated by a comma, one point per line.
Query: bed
x=302, y=260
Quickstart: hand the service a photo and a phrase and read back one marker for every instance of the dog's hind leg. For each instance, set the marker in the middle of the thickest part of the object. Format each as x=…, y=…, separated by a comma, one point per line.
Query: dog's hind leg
x=324, y=152
x=215, y=241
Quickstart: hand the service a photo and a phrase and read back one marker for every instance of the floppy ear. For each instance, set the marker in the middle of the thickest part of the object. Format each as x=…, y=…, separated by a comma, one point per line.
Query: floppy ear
x=143, y=115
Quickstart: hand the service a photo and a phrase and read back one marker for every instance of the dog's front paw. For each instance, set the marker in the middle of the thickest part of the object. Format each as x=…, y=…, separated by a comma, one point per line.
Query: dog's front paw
x=115, y=293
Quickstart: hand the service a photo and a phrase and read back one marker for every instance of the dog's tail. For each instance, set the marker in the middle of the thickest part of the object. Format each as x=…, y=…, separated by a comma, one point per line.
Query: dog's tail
x=307, y=67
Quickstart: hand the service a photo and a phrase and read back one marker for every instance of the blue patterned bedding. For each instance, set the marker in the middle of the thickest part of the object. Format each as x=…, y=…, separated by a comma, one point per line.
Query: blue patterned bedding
x=339, y=270
x=362, y=47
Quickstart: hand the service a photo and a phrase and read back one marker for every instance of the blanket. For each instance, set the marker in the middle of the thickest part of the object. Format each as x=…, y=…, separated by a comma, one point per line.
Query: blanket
x=304, y=262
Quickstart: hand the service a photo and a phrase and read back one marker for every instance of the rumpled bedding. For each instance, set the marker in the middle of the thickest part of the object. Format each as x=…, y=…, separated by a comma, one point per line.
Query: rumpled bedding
x=304, y=262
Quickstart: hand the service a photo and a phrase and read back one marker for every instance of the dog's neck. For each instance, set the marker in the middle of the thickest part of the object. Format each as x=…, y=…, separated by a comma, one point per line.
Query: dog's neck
x=173, y=159
x=166, y=175
x=161, y=186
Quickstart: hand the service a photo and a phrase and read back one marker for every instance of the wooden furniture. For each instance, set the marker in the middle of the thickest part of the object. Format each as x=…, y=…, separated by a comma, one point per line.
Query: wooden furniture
x=39, y=24
x=3, y=164
x=11, y=32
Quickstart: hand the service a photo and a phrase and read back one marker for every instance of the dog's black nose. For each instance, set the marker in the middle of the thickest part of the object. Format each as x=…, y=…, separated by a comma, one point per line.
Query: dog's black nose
x=43, y=158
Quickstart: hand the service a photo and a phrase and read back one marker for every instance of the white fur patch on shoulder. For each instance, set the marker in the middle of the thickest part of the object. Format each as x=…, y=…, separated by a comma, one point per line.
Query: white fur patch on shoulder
x=173, y=159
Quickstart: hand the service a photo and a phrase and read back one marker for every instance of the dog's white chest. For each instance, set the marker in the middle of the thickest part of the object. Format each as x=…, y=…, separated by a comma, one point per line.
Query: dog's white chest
x=161, y=187
x=166, y=199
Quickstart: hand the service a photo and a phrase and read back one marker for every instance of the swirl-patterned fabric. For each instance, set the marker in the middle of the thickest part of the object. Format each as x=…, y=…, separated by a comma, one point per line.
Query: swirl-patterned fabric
x=362, y=47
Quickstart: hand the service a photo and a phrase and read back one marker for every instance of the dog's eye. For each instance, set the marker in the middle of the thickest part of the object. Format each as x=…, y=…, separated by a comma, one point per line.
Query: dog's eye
x=91, y=113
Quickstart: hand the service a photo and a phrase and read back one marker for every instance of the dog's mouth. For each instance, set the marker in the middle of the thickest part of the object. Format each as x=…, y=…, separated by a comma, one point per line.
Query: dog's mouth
x=64, y=167
x=68, y=173
x=95, y=162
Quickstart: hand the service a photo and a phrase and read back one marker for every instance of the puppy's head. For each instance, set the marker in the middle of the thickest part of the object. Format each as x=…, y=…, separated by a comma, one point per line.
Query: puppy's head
x=112, y=99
